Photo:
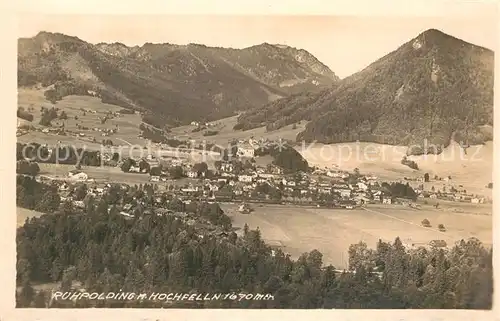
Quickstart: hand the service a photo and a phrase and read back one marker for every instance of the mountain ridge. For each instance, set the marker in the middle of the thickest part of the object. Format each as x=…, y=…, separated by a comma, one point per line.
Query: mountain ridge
x=174, y=83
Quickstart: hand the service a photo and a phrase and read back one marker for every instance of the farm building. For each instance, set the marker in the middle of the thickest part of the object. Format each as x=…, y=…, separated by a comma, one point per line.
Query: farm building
x=78, y=175
x=244, y=208
x=246, y=150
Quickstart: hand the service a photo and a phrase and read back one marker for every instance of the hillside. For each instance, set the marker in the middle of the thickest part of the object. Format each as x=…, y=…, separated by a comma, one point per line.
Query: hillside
x=175, y=84
x=430, y=88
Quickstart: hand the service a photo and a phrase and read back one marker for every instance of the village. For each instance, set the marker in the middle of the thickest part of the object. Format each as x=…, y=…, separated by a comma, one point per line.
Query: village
x=243, y=181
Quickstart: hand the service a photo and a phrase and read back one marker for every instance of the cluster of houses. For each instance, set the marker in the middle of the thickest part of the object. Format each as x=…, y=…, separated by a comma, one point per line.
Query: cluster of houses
x=225, y=185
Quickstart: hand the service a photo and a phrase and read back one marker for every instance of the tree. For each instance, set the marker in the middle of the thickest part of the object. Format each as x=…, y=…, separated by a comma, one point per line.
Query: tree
x=426, y=223
x=200, y=168
x=360, y=256
x=426, y=177
x=155, y=171
x=26, y=296
x=63, y=115
x=27, y=168
x=144, y=166
x=127, y=163
x=40, y=300
x=218, y=165
x=176, y=172
x=80, y=192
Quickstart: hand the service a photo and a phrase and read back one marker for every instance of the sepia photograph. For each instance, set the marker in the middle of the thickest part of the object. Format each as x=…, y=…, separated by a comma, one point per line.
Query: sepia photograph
x=254, y=162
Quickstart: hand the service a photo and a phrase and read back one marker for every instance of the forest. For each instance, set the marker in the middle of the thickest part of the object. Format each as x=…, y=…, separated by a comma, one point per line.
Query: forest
x=57, y=155
x=104, y=251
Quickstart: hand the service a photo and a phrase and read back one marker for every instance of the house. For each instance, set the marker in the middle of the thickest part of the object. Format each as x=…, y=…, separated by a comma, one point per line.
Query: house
x=288, y=182
x=342, y=189
x=224, y=194
x=244, y=208
x=245, y=178
x=127, y=215
x=192, y=174
x=477, y=200
x=190, y=189
x=362, y=186
x=348, y=204
x=323, y=190
x=238, y=190
x=155, y=178
x=246, y=150
x=276, y=170
x=403, y=201
x=195, y=123
x=226, y=167
x=78, y=175
x=213, y=187
x=361, y=199
x=79, y=204
x=387, y=200
x=377, y=195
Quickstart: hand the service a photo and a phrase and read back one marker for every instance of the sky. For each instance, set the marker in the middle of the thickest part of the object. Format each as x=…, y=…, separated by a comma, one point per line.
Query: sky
x=346, y=44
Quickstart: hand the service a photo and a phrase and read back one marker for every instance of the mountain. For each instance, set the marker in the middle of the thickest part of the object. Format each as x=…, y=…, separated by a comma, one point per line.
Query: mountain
x=433, y=87
x=175, y=83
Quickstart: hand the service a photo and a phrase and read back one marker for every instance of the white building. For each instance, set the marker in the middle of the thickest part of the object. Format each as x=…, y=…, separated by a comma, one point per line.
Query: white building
x=246, y=150
x=226, y=167
x=134, y=169
x=342, y=189
x=362, y=186
x=78, y=175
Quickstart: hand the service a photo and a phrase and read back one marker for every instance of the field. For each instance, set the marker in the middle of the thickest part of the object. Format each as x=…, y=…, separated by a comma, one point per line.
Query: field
x=226, y=133
x=473, y=171
x=107, y=174
x=128, y=125
x=331, y=231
